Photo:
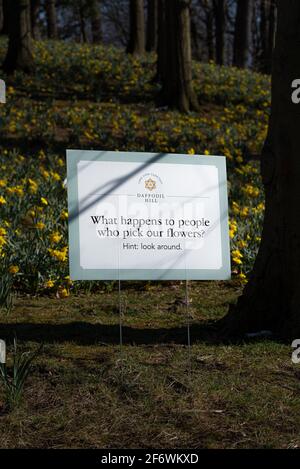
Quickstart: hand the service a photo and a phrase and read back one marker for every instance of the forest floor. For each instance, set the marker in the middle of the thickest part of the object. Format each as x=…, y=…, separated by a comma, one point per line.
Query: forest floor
x=84, y=391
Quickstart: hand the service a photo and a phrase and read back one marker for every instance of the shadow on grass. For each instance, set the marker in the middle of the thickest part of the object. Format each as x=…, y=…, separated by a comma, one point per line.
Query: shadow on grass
x=85, y=333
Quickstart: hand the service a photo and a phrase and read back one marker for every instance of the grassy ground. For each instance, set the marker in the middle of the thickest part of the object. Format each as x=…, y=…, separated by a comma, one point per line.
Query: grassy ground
x=84, y=391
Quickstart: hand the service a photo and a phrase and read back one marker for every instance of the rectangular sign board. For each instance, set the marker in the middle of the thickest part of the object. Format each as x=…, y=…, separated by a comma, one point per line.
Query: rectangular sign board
x=147, y=216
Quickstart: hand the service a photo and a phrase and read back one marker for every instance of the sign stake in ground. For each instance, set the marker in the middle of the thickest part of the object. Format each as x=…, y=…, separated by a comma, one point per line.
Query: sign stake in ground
x=2, y=352
x=147, y=216
x=2, y=92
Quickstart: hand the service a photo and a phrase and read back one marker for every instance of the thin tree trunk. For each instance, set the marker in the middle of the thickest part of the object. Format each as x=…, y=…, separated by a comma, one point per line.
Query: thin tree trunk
x=35, y=6
x=1, y=16
x=242, y=35
x=96, y=25
x=271, y=299
x=177, y=87
x=210, y=35
x=51, y=19
x=271, y=36
x=220, y=19
x=136, y=44
x=19, y=54
x=195, y=40
x=162, y=42
x=82, y=22
x=7, y=16
x=267, y=32
x=152, y=26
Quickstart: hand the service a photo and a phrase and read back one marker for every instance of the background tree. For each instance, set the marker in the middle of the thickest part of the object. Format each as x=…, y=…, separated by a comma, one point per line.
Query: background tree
x=220, y=21
x=242, y=34
x=19, y=54
x=34, y=13
x=95, y=18
x=267, y=29
x=175, y=64
x=152, y=25
x=136, y=44
x=51, y=19
x=1, y=15
x=271, y=299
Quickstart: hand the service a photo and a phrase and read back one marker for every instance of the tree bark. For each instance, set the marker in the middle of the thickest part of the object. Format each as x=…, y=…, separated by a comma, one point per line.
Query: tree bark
x=136, y=44
x=19, y=54
x=96, y=25
x=271, y=299
x=51, y=19
x=82, y=21
x=242, y=35
x=267, y=32
x=7, y=16
x=35, y=6
x=176, y=71
x=1, y=16
x=210, y=35
x=220, y=21
x=152, y=26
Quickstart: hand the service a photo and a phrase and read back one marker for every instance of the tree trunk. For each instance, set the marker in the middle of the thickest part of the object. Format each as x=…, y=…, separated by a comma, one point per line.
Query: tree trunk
x=176, y=73
x=210, y=35
x=136, y=44
x=271, y=35
x=220, y=19
x=162, y=42
x=82, y=22
x=19, y=54
x=152, y=26
x=51, y=19
x=271, y=299
x=7, y=16
x=35, y=6
x=1, y=16
x=96, y=25
x=242, y=34
x=267, y=32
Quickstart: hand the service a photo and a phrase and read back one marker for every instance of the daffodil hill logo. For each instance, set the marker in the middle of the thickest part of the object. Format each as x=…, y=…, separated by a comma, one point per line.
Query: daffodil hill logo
x=152, y=188
x=2, y=91
x=150, y=184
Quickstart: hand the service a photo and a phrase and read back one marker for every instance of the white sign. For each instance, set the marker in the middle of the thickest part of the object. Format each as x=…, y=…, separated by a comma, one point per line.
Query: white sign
x=147, y=216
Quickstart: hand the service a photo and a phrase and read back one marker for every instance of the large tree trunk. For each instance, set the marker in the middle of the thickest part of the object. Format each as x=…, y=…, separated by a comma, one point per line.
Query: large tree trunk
x=176, y=73
x=96, y=25
x=19, y=54
x=51, y=19
x=152, y=26
x=271, y=299
x=35, y=6
x=220, y=19
x=242, y=34
x=136, y=44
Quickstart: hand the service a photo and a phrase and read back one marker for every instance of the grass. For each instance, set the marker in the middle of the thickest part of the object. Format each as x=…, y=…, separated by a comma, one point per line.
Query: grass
x=84, y=392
